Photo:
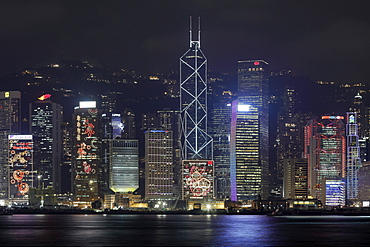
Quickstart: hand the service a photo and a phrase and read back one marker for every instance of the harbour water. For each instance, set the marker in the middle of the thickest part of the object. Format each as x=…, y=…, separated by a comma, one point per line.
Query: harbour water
x=185, y=230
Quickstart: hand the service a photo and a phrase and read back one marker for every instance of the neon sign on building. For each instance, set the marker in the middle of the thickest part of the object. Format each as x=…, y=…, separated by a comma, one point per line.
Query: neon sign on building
x=197, y=178
x=86, y=154
x=20, y=166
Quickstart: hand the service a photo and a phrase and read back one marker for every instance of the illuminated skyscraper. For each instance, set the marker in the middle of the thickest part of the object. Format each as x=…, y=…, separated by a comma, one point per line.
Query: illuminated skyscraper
x=325, y=150
x=86, y=169
x=353, y=156
x=123, y=165
x=128, y=120
x=295, y=178
x=249, y=162
x=195, y=141
x=20, y=172
x=158, y=165
x=45, y=126
x=169, y=120
x=220, y=131
x=10, y=123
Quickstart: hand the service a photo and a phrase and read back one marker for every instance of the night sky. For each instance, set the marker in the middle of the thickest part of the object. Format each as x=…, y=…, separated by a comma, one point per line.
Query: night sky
x=325, y=40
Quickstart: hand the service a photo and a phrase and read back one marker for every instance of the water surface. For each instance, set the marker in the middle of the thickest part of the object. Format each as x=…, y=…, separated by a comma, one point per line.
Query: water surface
x=169, y=230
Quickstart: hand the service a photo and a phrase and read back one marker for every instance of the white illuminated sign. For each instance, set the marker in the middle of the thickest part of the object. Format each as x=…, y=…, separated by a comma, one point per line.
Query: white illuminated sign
x=20, y=137
x=87, y=104
x=243, y=107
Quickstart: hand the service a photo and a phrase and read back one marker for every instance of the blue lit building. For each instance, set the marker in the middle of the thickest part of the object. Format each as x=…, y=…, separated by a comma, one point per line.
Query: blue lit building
x=334, y=192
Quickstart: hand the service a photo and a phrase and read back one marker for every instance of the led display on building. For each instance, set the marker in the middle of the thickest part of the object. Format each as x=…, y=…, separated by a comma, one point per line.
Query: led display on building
x=335, y=192
x=197, y=178
x=87, y=154
x=117, y=125
x=20, y=166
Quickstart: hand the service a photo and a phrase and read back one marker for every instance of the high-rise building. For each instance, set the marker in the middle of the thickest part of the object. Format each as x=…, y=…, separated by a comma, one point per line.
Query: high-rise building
x=353, y=155
x=158, y=165
x=67, y=143
x=169, y=120
x=20, y=172
x=86, y=156
x=123, y=165
x=10, y=123
x=325, y=150
x=45, y=126
x=220, y=132
x=129, y=126
x=295, y=179
x=290, y=132
x=249, y=161
x=195, y=141
x=364, y=183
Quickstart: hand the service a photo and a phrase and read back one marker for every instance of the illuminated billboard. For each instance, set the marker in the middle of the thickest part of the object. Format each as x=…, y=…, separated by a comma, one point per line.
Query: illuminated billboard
x=197, y=178
x=87, y=104
x=117, y=125
x=20, y=166
x=86, y=154
x=243, y=107
x=335, y=192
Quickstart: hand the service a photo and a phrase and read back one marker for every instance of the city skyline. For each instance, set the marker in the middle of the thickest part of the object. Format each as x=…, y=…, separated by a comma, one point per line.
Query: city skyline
x=326, y=42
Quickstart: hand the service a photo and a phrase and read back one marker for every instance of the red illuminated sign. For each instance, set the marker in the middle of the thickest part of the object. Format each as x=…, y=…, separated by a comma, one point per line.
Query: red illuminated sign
x=44, y=97
x=256, y=63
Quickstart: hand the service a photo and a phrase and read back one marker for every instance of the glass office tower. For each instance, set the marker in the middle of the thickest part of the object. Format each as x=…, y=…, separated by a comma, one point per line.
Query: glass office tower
x=249, y=145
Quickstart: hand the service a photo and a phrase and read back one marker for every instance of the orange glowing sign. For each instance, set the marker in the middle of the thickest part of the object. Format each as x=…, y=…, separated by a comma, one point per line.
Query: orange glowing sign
x=44, y=97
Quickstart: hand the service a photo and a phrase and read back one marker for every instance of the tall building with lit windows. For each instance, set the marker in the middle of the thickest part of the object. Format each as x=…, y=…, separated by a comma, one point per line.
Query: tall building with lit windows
x=20, y=170
x=353, y=155
x=220, y=131
x=249, y=162
x=86, y=154
x=10, y=123
x=45, y=126
x=325, y=149
x=158, y=165
x=196, y=144
x=123, y=165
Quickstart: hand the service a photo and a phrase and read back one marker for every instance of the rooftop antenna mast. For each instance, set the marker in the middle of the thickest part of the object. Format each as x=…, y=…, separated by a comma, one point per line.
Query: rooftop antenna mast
x=191, y=35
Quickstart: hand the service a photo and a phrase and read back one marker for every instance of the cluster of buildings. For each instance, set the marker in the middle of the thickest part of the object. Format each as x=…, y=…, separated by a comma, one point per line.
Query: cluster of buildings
x=194, y=155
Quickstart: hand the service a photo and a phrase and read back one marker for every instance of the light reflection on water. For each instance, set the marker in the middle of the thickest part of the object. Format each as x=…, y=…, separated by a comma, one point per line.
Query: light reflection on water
x=196, y=230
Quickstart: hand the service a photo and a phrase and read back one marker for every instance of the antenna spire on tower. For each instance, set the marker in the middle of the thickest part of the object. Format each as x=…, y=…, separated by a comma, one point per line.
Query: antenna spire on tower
x=191, y=35
x=190, y=38
x=199, y=31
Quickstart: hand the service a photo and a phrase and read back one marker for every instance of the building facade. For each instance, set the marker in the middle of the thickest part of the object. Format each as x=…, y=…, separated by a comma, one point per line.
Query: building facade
x=123, y=165
x=295, y=179
x=10, y=123
x=159, y=165
x=353, y=156
x=220, y=132
x=249, y=161
x=20, y=170
x=45, y=126
x=86, y=156
x=325, y=149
